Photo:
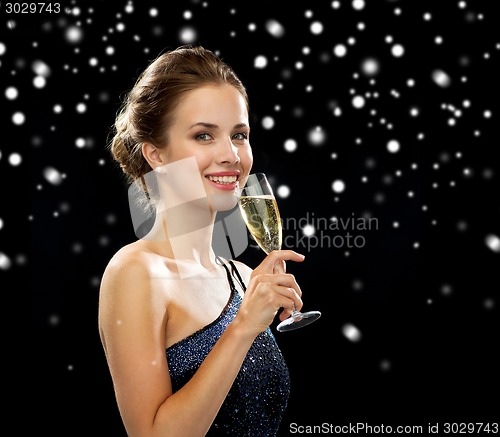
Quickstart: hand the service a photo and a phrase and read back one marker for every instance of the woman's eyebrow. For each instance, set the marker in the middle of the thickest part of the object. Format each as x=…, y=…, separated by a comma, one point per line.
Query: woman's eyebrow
x=205, y=124
x=214, y=126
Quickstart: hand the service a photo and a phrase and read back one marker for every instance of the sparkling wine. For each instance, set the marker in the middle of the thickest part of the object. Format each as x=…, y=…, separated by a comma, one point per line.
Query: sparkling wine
x=262, y=218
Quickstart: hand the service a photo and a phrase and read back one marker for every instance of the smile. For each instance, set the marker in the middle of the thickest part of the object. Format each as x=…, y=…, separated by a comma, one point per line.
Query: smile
x=223, y=179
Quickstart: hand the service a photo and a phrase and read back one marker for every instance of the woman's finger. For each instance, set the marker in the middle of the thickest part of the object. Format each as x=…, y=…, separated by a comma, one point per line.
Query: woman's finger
x=275, y=261
x=282, y=280
x=280, y=267
x=289, y=301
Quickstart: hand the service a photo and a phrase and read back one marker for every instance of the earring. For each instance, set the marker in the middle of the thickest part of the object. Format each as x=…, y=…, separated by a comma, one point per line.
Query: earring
x=160, y=170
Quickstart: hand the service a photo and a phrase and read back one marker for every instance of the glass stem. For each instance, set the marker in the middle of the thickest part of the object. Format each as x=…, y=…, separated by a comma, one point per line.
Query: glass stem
x=295, y=313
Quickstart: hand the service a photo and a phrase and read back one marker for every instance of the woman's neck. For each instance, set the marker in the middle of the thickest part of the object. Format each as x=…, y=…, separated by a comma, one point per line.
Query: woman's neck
x=184, y=234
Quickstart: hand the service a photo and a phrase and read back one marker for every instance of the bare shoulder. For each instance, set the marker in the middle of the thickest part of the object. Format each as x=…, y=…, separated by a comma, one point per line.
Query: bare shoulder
x=128, y=288
x=136, y=260
x=127, y=263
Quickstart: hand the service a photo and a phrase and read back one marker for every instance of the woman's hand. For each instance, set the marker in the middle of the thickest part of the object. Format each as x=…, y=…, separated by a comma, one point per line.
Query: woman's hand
x=269, y=289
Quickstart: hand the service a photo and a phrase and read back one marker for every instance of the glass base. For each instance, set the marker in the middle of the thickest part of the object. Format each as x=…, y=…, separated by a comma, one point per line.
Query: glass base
x=298, y=320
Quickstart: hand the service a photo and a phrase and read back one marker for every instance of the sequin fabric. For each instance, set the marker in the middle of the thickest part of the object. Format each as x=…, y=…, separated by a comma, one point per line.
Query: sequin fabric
x=259, y=395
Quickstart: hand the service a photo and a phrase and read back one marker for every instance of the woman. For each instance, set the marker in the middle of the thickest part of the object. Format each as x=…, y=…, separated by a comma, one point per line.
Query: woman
x=185, y=333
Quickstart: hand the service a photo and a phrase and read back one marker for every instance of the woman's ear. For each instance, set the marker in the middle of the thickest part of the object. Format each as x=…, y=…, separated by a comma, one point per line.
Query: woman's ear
x=152, y=154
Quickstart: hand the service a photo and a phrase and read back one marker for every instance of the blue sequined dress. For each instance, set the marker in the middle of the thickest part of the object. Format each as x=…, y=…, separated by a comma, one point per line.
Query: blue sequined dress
x=259, y=395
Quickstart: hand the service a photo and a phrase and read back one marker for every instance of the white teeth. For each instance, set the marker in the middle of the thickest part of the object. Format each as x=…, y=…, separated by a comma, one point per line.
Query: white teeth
x=223, y=179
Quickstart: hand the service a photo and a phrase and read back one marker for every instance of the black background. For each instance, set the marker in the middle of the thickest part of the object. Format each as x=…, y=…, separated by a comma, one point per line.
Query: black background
x=423, y=295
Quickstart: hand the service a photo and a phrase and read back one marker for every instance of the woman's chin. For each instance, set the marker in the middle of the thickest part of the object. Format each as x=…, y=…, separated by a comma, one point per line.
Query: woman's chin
x=222, y=202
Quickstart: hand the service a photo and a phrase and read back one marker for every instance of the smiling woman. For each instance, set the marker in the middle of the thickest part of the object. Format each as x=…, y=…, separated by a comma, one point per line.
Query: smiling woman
x=186, y=333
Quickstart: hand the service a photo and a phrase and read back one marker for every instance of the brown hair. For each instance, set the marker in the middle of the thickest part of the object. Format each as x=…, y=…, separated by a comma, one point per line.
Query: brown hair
x=148, y=109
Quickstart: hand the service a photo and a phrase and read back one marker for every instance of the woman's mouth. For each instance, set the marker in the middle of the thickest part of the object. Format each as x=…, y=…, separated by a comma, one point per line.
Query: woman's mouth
x=224, y=181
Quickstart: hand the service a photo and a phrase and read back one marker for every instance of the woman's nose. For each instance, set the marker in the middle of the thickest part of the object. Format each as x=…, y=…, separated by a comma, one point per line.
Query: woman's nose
x=228, y=153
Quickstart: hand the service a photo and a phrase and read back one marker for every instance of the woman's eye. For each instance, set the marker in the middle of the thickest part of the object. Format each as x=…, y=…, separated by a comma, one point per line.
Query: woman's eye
x=240, y=136
x=203, y=137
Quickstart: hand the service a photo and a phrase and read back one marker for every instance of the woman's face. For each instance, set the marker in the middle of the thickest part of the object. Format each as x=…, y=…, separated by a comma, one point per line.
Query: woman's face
x=211, y=124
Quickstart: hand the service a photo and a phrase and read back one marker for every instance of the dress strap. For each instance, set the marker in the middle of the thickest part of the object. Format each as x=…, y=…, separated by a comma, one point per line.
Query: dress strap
x=234, y=271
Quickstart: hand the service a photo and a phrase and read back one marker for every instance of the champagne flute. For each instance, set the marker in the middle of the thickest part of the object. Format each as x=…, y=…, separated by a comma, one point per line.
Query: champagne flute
x=260, y=212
